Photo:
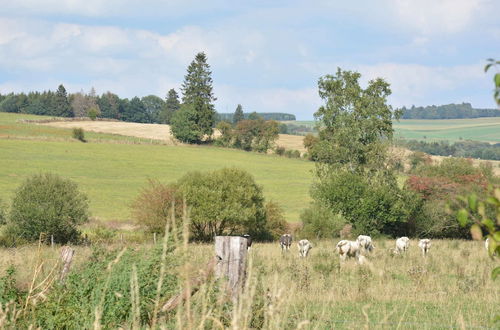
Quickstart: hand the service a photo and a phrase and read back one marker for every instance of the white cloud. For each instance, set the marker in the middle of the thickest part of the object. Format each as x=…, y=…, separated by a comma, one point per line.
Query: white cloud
x=437, y=16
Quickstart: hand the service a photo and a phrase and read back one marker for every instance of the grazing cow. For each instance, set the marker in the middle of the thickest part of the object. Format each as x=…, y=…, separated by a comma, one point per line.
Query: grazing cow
x=348, y=249
x=285, y=242
x=304, y=247
x=249, y=240
x=402, y=244
x=424, y=244
x=365, y=242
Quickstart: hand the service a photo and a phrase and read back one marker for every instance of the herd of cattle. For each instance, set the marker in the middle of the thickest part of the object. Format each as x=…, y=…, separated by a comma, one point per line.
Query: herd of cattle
x=353, y=249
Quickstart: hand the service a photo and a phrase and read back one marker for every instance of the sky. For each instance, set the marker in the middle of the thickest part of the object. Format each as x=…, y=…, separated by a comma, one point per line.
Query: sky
x=265, y=55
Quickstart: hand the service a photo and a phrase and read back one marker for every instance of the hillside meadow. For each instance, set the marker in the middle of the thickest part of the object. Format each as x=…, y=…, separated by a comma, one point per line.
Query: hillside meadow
x=450, y=288
x=476, y=129
x=113, y=168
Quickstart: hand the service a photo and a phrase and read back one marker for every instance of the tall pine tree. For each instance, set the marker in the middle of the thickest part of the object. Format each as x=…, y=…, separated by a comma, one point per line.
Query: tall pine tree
x=198, y=96
x=238, y=114
x=62, y=108
x=172, y=104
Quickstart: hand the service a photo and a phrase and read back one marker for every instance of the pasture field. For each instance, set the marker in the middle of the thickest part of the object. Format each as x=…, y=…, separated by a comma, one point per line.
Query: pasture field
x=476, y=129
x=450, y=288
x=113, y=171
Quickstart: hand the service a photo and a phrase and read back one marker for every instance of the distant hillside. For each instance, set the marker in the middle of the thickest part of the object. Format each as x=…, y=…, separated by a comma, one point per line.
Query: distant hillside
x=448, y=111
x=279, y=116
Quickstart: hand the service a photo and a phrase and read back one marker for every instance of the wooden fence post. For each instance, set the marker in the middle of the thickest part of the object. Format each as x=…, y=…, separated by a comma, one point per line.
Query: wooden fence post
x=154, y=238
x=67, y=254
x=231, y=252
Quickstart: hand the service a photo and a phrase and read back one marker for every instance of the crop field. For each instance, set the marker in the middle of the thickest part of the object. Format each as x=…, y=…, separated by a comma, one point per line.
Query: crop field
x=477, y=129
x=450, y=288
x=114, y=169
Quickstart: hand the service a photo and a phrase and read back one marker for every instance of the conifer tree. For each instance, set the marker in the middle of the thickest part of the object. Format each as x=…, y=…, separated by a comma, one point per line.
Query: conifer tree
x=198, y=96
x=172, y=104
x=238, y=114
x=62, y=108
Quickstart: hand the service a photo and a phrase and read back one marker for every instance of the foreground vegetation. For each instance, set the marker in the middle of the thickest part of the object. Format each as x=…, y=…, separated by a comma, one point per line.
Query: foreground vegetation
x=450, y=288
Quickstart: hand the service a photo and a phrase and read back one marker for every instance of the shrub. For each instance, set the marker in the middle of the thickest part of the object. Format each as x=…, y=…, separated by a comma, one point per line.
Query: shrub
x=320, y=222
x=105, y=281
x=276, y=224
x=49, y=204
x=226, y=131
x=79, y=134
x=153, y=207
x=280, y=151
x=223, y=202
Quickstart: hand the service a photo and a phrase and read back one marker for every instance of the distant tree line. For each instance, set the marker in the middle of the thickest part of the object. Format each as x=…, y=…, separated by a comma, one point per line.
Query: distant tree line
x=467, y=149
x=278, y=116
x=148, y=109
x=448, y=111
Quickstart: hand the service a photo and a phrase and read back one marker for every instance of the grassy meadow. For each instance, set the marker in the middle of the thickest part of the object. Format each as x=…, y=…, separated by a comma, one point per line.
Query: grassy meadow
x=112, y=169
x=476, y=129
x=450, y=288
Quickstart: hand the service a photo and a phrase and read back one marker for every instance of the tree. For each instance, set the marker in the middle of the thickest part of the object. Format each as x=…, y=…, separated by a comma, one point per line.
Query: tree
x=184, y=125
x=153, y=106
x=49, y=204
x=238, y=114
x=253, y=116
x=109, y=104
x=354, y=123
x=355, y=180
x=172, y=105
x=134, y=111
x=197, y=92
x=496, y=79
x=62, y=107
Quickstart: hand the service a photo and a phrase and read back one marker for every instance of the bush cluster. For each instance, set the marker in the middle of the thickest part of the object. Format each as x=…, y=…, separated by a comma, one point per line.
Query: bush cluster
x=46, y=205
x=79, y=134
x=250, y=134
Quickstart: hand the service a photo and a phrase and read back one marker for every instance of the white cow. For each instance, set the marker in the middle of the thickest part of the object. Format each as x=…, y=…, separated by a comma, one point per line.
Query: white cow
x=402, y=244
x=424, y=244
x=348, y=249
x=304, y=247
x=365, y=242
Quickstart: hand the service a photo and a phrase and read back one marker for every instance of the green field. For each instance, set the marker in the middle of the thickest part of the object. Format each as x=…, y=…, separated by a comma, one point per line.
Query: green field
x=477, y=129
x=113, y=171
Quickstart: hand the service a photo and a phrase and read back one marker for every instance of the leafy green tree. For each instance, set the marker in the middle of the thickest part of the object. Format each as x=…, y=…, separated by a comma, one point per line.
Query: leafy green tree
x=109, y=104
x=354, y=127
x=49, y=204
x=354, y=123
x=238, y=114
x=62, y=107
x=134, y=111
x=172, y=105
x=198, y=93
x=496, y=78
x=153, y=106
x=226, y=134
x=184, y=125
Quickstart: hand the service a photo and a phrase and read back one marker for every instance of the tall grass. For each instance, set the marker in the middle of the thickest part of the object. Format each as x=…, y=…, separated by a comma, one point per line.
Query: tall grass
x=450, y=288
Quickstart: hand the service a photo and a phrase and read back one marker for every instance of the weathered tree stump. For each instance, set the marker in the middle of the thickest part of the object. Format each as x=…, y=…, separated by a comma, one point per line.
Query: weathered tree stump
x=231, y=252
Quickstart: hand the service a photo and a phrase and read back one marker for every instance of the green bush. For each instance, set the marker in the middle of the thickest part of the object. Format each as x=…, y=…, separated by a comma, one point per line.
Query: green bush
x=276, y=224
x=79, y=134
x=280, y=151
x=320, y=222
x=152, y=209
x=223, y=202
x=48, y=204
x=373, y=207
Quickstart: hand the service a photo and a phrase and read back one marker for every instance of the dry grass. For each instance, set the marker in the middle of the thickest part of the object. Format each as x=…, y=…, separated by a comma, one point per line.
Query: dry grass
x=450, y=288
x=154, y=131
